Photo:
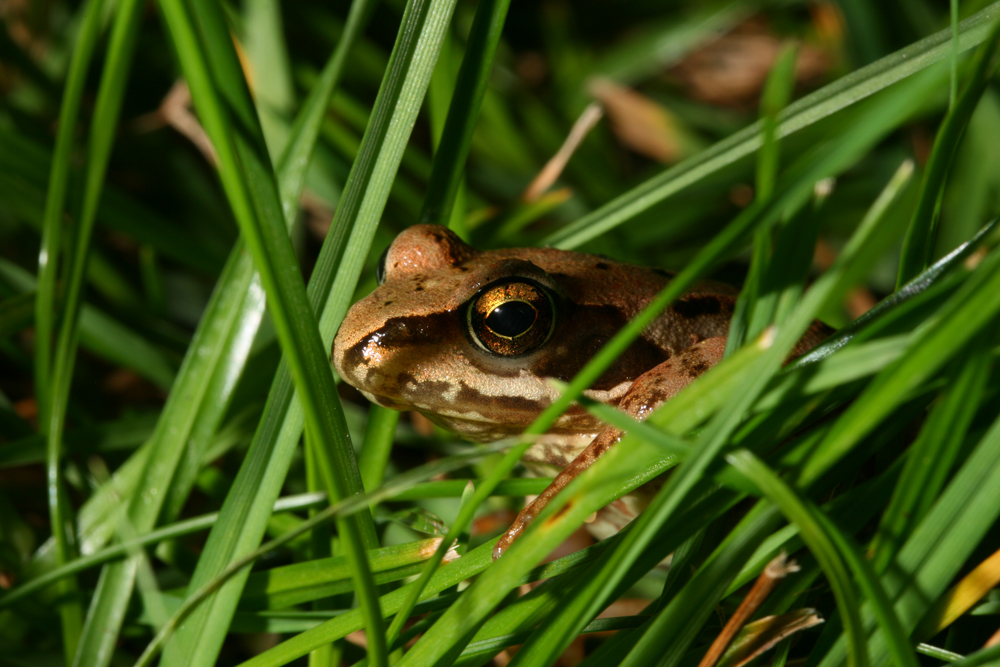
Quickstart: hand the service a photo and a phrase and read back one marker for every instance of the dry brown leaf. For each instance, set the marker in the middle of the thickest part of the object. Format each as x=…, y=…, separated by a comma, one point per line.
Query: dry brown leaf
x=642, y=124
x=731, y=70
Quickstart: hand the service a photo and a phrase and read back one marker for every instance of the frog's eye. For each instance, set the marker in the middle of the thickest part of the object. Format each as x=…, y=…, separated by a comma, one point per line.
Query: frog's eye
x=380, y=267
x=511, y=317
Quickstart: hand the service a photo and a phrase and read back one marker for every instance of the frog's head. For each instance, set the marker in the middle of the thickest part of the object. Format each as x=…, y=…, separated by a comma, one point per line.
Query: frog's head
x=469, y=338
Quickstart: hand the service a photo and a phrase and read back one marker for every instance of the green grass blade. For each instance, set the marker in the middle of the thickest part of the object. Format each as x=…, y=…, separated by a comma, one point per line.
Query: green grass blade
x=188, y=407
x=403, y=487
x=824, y=102
x=939, y=653
x=455, y=488
x=229, y=364
x=966, y=313
x=933, y=282
x=492, y=645
x=777, y=91
x=986, y=656
x=921, y=238
x=55, y=201
x=937, y=549
x=344, y=508
x=185, y=427
x=953, y=83
x=321, y=577
x=220, y=94
x=321, y=546
x=469, y=565
x=775, y=97
x=831, y=550
x=46, y=320
x=364, y=197
x=669, y=634
x=375, y=450
x=121, y=549
x=857, y=361
x=270, y=72
x=931, y=457
x=452, y=153
x=115, y=585
x=900, y=646
x=245, y=514
x=100, y=142
x=295, y=158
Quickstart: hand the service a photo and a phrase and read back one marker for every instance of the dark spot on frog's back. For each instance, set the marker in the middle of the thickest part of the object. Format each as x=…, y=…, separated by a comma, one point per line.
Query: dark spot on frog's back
x=698, y=305
x=694, y=368
x=601, y=265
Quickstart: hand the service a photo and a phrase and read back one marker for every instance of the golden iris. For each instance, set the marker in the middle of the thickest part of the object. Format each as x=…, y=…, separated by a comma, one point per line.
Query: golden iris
x=511, y=318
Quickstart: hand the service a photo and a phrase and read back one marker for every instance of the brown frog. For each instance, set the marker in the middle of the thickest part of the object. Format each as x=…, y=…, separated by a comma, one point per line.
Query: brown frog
x=469, y=338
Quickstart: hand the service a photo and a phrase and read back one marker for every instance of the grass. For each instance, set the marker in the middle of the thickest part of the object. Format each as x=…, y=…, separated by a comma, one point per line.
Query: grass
x=155, y=503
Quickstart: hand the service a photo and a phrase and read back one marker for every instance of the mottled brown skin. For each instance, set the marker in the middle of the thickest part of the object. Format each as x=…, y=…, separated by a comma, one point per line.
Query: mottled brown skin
x=408, y=345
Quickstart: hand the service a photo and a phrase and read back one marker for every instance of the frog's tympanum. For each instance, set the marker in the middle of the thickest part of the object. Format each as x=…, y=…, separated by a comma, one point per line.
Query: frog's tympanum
x=469, y=339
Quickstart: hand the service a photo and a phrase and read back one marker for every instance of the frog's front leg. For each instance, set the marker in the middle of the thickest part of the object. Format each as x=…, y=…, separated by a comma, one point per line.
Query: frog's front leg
x=647, y=393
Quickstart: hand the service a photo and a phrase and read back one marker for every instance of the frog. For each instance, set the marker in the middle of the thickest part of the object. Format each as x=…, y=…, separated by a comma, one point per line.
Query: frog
x=472, y=339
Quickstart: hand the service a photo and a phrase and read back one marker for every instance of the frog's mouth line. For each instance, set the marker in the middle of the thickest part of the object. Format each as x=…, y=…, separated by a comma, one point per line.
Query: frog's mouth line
x=386, y=402
x=440, y=415
x=476, y=426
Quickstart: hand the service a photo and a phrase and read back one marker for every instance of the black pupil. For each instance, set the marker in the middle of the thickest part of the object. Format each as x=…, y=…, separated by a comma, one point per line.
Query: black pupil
x=511, y=319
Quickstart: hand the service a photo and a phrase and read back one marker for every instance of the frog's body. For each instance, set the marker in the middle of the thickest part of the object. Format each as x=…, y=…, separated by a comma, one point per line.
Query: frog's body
x=469, y=338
